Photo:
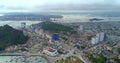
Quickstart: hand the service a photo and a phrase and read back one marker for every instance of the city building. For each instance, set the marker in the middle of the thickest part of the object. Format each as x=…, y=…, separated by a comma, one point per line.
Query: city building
x=80, y=29
x=102, y=34
x=37, y=31
x=41, y=31
x=55, y=36
x=98, y=38
x=50, y=51
x=23, y=25
x=93, y=41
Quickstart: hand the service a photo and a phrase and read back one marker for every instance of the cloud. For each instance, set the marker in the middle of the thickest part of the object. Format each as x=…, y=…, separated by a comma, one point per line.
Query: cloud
x=95, y=6
x=80, y=5
x=2, y=6
x=59, y=4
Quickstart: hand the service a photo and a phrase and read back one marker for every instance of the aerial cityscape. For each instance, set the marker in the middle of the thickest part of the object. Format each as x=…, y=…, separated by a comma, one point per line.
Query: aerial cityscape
x=60, y=31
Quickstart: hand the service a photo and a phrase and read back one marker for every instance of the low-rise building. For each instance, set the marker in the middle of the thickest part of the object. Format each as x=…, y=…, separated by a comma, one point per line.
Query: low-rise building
x=50, y=51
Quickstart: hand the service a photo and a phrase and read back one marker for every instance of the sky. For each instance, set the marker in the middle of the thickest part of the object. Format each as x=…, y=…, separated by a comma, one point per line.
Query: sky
x=38, y=5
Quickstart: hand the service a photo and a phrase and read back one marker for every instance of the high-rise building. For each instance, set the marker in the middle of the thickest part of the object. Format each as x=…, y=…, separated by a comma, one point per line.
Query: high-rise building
x=80, y=28
x=93, y=41
x=98, y=38
x=41, y=31
x=102, y=34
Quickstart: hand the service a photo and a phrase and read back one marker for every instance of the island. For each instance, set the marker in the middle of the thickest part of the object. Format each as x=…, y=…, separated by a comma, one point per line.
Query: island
x=96, y=19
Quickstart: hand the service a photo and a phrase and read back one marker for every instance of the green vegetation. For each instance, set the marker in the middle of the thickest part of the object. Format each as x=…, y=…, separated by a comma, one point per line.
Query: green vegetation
x=10, y=36
x=82, y=47
x=117, y=60
x=64, y=38
x=119, y=50
x=97, y=58
x=24, y=49
x=72, y=59
x=57, y=28
x=89, y=37
x=96, y=19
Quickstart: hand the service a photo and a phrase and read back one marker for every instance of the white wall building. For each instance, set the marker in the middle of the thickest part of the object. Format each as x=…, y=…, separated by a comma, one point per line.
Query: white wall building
x=93, y=41
x=41, y=31
x=50, y=51
x=98, y=38
x=102, y=34
x=80, y=28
